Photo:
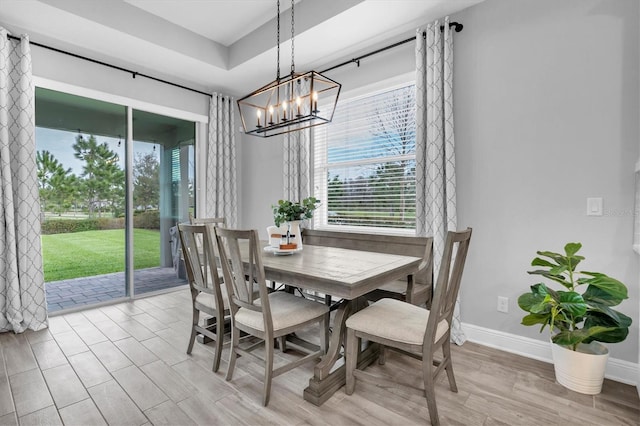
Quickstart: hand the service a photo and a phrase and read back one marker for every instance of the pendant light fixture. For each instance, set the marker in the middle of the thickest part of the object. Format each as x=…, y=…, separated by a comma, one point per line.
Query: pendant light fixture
x=291, y=103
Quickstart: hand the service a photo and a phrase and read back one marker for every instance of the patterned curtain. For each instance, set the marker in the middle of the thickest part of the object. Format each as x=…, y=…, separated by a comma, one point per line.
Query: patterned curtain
x=296, y=165
x=221, y=183
x=22, y=295
x=435, y=156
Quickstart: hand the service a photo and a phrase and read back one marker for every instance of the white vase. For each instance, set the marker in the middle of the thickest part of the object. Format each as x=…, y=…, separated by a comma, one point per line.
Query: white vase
x=581, y=370
x=294, y=229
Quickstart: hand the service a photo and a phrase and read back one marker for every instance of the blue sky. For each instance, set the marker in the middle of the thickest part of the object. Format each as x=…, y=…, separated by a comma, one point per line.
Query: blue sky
x=60, y=142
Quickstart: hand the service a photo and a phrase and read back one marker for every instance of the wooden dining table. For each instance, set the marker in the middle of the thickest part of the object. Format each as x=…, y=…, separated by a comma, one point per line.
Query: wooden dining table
x=344, y=274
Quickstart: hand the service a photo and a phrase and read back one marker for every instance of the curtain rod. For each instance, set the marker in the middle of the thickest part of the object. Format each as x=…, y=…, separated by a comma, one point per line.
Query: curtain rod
x=134, y=74
x=455, y=25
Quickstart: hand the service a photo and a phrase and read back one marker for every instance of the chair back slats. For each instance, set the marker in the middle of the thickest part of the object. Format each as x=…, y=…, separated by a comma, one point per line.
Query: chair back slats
x=199, y=256
x=217, y=221
x=449, y=278
x=241, y=275
x=425, y=269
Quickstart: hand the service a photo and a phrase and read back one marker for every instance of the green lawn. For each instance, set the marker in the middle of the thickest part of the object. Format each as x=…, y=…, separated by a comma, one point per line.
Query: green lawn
x=84, y=254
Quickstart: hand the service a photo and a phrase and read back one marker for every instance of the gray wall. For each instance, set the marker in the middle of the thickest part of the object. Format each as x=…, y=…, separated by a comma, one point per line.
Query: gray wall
x=546, y=104
x=77, y=72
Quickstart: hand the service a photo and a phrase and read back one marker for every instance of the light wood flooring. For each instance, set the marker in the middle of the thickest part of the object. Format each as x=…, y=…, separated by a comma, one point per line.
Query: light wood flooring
x=126, y=365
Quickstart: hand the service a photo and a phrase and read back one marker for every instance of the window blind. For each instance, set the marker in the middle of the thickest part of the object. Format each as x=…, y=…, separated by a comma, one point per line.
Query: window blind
x=364, y=162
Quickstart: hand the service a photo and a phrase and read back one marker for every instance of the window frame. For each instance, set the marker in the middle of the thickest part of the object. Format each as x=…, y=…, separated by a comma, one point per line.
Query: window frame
x=319, y=188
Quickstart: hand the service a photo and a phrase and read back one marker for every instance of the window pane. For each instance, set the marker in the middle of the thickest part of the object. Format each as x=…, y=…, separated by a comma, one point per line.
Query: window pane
x=163, y=182
x=81, y=163
x=365, y=162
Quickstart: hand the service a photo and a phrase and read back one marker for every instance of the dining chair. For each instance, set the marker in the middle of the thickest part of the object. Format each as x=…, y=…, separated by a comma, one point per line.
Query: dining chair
x=214, y=221
x=412, y=330
x=208, y=295
x=267, y=317
x=419, y=290
x=217, y=221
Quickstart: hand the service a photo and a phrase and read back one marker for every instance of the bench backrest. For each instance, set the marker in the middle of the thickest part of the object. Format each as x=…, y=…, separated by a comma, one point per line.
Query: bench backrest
x=391, y=244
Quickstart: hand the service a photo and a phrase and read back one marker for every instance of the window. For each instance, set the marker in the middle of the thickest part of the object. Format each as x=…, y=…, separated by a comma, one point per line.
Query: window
x=364, y=163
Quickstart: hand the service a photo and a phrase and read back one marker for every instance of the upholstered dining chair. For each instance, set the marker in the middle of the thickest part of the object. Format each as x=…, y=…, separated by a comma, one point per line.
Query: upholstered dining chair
x=270, y=316
x=412, y=330
x=208, y=295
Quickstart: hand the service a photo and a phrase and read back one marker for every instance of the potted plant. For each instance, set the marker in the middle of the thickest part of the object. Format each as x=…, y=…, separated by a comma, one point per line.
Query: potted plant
x=292, y=213
x=577, y=321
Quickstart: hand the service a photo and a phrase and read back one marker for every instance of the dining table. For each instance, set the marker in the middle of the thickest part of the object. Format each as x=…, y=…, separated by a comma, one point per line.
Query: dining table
x=346, y=275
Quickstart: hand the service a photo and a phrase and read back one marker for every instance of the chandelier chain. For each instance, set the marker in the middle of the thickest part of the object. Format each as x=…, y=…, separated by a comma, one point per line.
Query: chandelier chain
x=293, y=67
x=278, y=40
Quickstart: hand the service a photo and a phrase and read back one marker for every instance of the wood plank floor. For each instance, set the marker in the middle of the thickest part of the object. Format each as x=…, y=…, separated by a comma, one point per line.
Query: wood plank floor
x=126, y=365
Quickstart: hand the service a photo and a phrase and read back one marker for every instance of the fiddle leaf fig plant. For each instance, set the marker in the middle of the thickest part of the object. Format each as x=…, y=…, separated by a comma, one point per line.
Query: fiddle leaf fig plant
x=286, y=211
x=574, y=317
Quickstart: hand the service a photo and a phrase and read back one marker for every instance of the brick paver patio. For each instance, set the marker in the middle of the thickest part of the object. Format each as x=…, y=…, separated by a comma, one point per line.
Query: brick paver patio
x=100, y=288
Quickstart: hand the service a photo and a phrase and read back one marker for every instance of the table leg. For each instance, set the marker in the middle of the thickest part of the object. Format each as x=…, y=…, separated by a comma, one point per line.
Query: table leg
x=326, y=382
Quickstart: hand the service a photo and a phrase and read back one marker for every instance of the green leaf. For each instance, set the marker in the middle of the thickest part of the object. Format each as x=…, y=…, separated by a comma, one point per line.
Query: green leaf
x=617, y=328
x=533, y=319
x=550, y=254
x=532, y=303
x=557, y=278
x=572, y=303
x=574, y=261
x=542, y=262
x=614, y=288
x=572, y=248
x=540, y=289
x=595, y=296
x=574, y=337
x=607, y=317
x=558, y=270
x=616, y=335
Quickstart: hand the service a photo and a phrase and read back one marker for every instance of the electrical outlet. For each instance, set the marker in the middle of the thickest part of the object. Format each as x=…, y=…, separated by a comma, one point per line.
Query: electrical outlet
x=503, y=304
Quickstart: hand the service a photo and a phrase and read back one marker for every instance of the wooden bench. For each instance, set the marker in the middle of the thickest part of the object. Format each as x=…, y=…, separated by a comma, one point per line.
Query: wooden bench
x=418, y=292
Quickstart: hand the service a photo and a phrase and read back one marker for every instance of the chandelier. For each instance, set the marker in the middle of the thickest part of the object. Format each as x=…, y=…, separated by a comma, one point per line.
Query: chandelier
x=295, y=102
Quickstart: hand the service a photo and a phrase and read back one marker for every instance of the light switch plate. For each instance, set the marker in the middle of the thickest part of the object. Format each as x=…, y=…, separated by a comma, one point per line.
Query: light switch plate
x=594, y=206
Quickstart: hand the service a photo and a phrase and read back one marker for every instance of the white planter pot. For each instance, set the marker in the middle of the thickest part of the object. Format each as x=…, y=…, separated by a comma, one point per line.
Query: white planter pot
x=581, y=370
x=294, y=229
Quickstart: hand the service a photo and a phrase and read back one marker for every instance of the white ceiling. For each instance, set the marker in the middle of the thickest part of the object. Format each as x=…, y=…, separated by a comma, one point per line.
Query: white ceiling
x=227, y=45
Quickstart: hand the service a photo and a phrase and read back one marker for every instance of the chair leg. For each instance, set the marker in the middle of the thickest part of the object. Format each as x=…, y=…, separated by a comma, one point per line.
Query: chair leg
x=219, y=341
x=429, y=388
x=194, y=322
x=235, y=337
x=446, y=352
x=351, y=362
x=268, y=370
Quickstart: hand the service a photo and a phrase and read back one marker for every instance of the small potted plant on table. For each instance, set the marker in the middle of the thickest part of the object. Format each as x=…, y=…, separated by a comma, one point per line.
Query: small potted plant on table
x=578, y=322
x=292, y=213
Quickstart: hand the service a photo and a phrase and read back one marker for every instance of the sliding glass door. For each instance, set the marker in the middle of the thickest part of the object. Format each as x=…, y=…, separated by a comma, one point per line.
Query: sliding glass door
x=108, y=201
x=163, y=196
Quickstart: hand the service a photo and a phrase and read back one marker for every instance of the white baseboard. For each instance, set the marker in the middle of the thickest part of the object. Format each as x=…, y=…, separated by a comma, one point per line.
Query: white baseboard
x=617, y=369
